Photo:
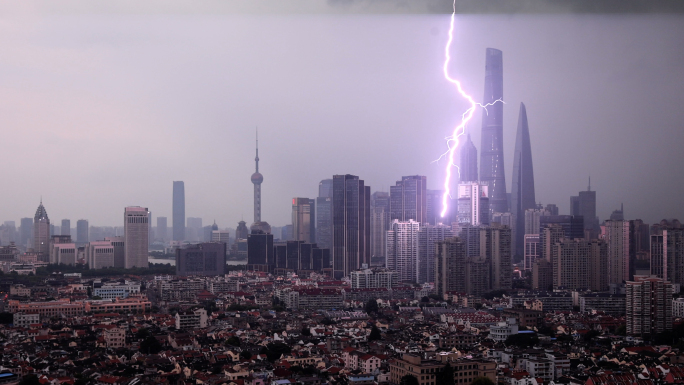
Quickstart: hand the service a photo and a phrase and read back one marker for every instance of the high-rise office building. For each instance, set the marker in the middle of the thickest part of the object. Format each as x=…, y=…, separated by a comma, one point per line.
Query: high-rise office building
x=549, y=236
x=66, y=227
x=434, y=207
x=62, y=250
x=82, y=232
x=584, y=205
x=26, y=233
x=302, y=219
x=639, y=243
x=499, y=253
x=380, y=222
x=491, y=151
x=260, y=254
x=522, y=191
x=203, y=259
x=402, y=249
x=178, y=211
x=552, y=209
x=136, y=233
x=617, y=237
x=667, y=251
x=573, y=226
x=408, y=199
x=162, y=229
x=450, y=276
x=324, y=214
x=99, y=254
x=428, y=236
x=468, y=162
x=41, y=233
x=351, y=224
x=649, y=306
x=473, y=204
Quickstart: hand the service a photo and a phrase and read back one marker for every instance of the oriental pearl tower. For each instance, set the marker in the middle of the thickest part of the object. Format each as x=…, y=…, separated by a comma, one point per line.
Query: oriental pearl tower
x=257, y=179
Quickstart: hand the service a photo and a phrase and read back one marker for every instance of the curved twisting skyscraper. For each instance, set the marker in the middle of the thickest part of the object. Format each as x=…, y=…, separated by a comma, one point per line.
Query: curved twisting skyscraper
x=522, y=191
x=491, y=151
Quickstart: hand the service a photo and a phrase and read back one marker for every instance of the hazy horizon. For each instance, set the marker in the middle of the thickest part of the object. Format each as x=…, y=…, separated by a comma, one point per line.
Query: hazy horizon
x=105, y=108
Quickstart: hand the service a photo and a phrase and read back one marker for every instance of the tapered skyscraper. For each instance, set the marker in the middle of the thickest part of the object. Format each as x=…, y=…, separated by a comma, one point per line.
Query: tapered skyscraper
x=522, y=193
x=468, y=162
x=257, y=179
x=491, y=150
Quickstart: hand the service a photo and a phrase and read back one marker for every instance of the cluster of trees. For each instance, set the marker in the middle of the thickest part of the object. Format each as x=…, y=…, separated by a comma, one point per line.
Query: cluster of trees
x=153, y=269
x=445, y=377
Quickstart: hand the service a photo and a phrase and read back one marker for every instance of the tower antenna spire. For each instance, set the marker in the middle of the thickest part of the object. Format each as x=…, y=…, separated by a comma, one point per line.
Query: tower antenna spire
x=589, y=187
x=257, y=149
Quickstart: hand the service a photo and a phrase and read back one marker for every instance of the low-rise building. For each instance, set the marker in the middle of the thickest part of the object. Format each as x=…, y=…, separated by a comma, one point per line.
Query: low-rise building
x=115, y=337
x=24, y=320
x=191, y=319
x=111, y=290
x=502, y=330
x=613, y=304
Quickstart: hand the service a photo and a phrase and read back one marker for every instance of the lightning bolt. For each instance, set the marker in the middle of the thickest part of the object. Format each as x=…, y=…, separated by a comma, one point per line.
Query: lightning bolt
x=453, y=140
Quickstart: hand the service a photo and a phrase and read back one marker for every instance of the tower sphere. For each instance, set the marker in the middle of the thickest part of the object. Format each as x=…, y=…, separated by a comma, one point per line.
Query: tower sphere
x=257, y=178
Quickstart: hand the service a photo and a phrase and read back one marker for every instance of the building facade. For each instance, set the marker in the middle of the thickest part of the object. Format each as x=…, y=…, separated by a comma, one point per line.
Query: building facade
x=351, y=224
x=402, y=249
x=522, y=191
x=408, y=199
x=648, y=306
x=136, y=233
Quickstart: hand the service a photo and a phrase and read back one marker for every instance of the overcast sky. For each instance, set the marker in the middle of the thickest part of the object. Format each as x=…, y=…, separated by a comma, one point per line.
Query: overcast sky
x=104, y=104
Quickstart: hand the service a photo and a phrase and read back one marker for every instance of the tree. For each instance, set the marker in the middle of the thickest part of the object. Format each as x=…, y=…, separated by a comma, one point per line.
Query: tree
x=29, y=379
x=374, y=334
x=409, y=380
x=482, y=381
x=245, y=355
x=306, y=332
x=371, y=306
x=522, y=340
x=277, y=349
x=6, y=318
x=621, y=330
x=233, y=341
x=150, y=346
x=446, y=376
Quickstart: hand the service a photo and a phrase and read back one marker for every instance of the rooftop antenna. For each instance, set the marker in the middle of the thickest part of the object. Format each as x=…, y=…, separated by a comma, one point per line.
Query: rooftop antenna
x=589, y=187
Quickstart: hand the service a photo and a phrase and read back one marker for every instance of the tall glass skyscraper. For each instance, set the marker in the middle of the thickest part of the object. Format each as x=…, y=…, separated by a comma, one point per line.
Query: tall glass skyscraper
x=351, y=224
x=324, y=215
x=522, y=193
x=178, y=211
x=491, y=151
x=408, y=199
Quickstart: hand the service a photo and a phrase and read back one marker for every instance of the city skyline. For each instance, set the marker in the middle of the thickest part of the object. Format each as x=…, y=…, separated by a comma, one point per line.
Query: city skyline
x=559, y=132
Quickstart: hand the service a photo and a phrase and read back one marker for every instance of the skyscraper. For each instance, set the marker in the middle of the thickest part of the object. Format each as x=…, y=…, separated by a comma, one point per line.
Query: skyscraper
x=193, y=229
x=473, y=204
x=402, y=249
x=178, y=211
x=241, y=232
x=522, y=193
x=667, y=251
x=324, y=214
x=204, y=259
x=450, y=276
x=302, y=220
x=428, y=236
x=66, y=227
x=468, y=162
x=584, y=204
x=617, y=237
x=257, y=179
x=380, y=222
x=26, y=232
x=136, y=233
x=408, y=199
x=162, y=228
x=41, y=233
x=82, y=232
x=260, y=255
x=491, y=151
x=351, y=224
x=434, y=207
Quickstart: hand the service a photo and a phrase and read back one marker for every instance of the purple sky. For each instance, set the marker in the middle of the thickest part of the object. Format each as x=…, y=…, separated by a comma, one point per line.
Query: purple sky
x=104, y=107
